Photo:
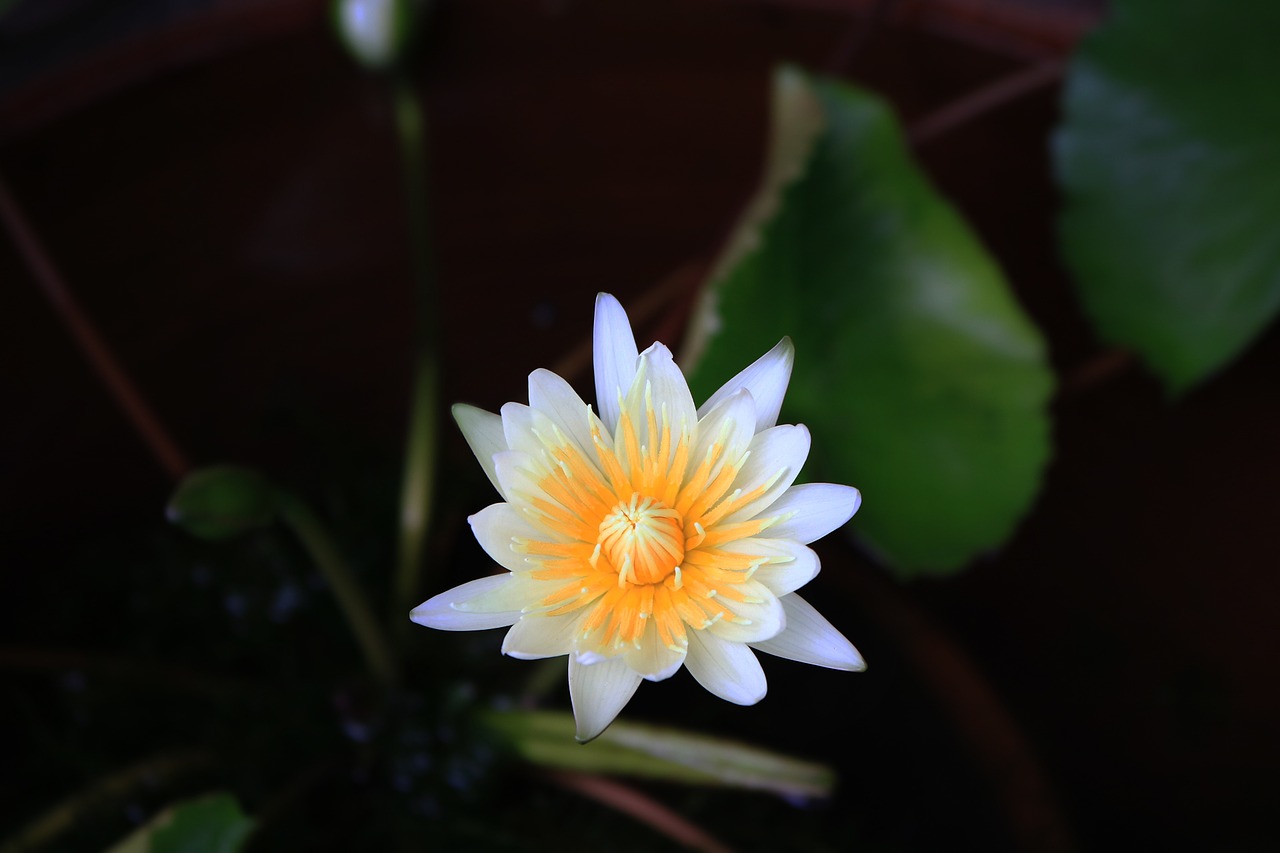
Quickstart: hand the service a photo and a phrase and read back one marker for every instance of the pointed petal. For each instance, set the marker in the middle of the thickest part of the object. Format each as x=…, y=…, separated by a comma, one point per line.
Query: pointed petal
x=808, y=512
x=659, y=383
x=670, y=389
x=754, y=620
x=614, y=353
x=518, y=428
x=518, y=593
x=555, y=398
x=599, y=691
x=653, y=660
x=729, y=670
x=809, y=638
x=789, y=565
x=445, y=611
x=731, y=424
x=536, y=438
x=495, y=527
x=538, y=636
x=777, y=455
x=483, y=432
x=766, y=379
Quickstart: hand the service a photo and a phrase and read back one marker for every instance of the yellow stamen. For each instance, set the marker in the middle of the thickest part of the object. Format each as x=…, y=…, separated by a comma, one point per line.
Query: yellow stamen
x=634, y=536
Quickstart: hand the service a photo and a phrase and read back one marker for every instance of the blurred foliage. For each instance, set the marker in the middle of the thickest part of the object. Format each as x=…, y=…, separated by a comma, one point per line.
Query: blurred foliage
x=213, y=824
x=922, y=381
x=1170, y=167
x=547, y=738
x=222, y=502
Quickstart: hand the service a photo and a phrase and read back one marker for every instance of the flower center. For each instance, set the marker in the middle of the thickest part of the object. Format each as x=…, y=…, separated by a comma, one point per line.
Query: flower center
x=643, y=539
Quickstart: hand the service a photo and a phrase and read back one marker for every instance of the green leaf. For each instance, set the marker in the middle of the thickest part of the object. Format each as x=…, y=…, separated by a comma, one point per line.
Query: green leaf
x=1169, y=157
x=921, y=379
x=222, y=502
x=212, y=824
x=547, y=738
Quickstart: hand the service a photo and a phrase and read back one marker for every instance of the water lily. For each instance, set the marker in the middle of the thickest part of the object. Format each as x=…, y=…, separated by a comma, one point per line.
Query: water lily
x=652, y=535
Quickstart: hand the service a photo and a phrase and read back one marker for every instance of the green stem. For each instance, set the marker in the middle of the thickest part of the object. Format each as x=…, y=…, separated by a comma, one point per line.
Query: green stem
x=416, y=496
x=351, y=599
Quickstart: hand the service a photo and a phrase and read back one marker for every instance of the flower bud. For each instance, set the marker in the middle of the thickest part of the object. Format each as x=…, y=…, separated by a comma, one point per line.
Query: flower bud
x=376, y=32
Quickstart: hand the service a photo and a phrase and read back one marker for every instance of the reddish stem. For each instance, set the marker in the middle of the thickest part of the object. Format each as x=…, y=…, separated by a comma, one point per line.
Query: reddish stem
x=1013, y=28
x=1099, y=370
x=91, y=343
x=631, y=802
x=684, y=283
x=984, y=100
x=857, y=37
x=985, y=725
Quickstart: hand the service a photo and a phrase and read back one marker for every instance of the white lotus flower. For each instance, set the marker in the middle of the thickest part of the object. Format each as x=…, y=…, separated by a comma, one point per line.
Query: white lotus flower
x=652, y=536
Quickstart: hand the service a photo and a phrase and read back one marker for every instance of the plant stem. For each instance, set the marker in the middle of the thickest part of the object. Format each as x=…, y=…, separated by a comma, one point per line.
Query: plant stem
x=638, y=806
x=1003, y=753
x=416, y=494
x=351, y=598
x=91, y=343
x=986, y=99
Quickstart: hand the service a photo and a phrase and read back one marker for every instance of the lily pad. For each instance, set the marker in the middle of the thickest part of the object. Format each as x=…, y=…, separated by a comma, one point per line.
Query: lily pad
x=921, y=379
x=1170, y=167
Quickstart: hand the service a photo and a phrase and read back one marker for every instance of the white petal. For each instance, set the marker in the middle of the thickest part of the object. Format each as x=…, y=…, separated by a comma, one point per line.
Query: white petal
x=766, y=379
x=518, y=429
x=653, y=660
x=538, y=636
x=520, y=476
x=810, y=511
x=729, y=670
x=483, y=432
x=731, y=424
x=660, y=383
x=754, y=620
x=494, y=528
x=777, y=455
x=556, y=399
x=670, y=390
x=809, y=638
x=789, y=565
x=444, y=610
x=614, y=353
x=599, y=691
x=520, y=592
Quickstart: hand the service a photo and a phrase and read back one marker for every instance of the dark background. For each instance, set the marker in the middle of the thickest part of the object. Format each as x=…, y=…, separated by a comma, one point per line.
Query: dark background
x=219, y=187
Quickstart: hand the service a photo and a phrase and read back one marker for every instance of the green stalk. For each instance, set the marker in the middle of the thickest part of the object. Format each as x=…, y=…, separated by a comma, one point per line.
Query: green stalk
x=416, y=495
x=351, y=598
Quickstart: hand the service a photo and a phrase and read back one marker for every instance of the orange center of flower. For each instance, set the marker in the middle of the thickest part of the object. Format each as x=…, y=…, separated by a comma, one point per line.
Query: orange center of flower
x=636, y=533
x=643, y=539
